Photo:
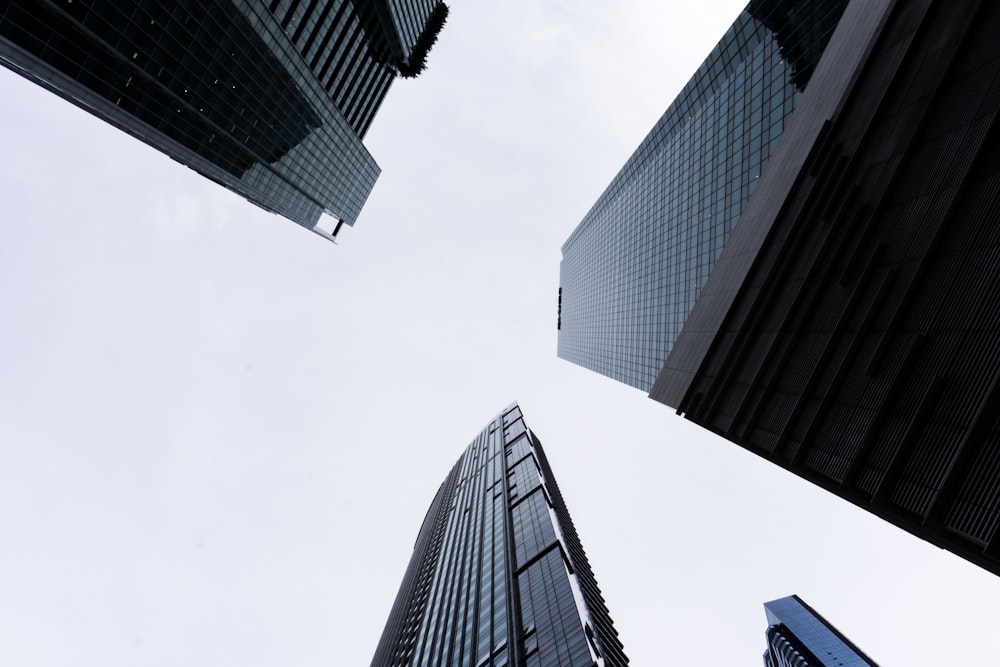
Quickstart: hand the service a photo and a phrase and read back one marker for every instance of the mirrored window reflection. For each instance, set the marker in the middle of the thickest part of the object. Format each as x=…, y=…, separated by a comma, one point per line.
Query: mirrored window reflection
x=634, y=267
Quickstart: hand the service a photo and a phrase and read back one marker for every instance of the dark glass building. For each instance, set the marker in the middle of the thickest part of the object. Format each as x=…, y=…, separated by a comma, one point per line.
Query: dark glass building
x=633, y=268
x=799, y=637
x=849, y=330
x=269, y=99
x=498, y=576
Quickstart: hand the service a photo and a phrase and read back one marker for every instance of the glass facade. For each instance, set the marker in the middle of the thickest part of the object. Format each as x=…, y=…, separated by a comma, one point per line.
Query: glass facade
x=633, y=268
x=799, y=637
x=269, y=99
x=498, y=577
x=850, y=332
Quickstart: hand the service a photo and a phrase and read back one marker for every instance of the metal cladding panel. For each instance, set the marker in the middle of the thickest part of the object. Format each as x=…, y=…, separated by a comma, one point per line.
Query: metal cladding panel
x=862, y=350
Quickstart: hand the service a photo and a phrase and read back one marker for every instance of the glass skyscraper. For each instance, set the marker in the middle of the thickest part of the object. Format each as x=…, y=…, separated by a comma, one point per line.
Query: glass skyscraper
x=799, y=637
x=269, y=99
x=498, y=576
x=849, y=329
x=633, y=268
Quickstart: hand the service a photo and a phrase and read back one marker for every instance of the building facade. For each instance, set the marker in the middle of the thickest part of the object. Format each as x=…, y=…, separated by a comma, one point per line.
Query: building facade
x=498, y=576
x=855, y=338
x=634, y=267
x=269, y=99
x=799, y=637
x=849, y=330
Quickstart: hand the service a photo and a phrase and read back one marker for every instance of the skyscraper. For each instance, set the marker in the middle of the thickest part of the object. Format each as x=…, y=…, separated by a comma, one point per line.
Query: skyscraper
x=799, y=637
x=498, y=576
x=269, y=99
x=633, y=268
x=849, y=329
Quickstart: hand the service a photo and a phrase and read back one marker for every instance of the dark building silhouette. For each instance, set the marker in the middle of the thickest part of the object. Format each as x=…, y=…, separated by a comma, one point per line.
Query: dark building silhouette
x=498, y=576
x=269, y=99
x=797, y=636
x=849, y=330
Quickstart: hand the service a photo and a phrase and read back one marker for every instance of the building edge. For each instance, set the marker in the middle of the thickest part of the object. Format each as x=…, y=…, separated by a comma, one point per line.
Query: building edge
x=838, y=69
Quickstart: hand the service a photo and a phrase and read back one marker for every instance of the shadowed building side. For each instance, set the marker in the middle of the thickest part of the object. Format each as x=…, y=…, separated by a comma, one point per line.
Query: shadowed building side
x=852, y=333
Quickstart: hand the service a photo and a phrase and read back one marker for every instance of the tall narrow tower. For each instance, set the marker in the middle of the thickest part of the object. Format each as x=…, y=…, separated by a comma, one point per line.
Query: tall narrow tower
x=498, y=576
x=797, y=636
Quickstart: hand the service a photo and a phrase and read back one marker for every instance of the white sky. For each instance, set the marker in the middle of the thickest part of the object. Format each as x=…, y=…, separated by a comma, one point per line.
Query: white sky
x=219, y=433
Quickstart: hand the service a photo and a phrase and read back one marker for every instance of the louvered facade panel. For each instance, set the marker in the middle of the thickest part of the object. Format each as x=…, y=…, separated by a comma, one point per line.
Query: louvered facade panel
x=884, y=382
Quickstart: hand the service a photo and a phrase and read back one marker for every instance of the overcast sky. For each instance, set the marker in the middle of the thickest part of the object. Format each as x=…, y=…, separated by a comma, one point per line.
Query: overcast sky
x=219, y=433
